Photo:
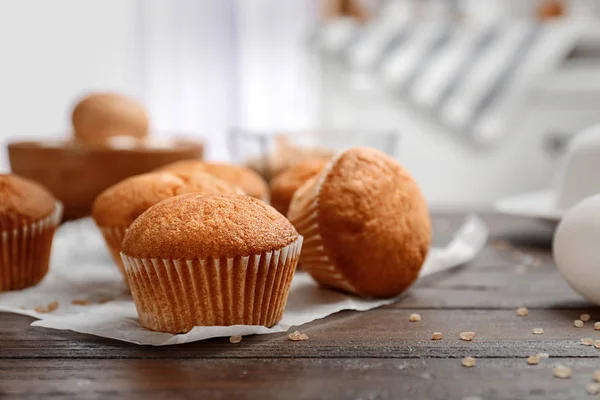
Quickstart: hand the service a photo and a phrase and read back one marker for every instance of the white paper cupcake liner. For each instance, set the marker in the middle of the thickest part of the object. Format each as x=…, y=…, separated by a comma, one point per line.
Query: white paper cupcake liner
x=113, y=237
x=315, y=259
x=176, y=295
x=25, y=252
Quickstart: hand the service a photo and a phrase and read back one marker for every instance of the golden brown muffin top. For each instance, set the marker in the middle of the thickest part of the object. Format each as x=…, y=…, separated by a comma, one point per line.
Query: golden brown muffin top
x=23, y=200
x=285, y=184
x=374, y=221
x=122, y=203
x=203, y=226
x=205, y=183
x=99, y=116
x=250, y=182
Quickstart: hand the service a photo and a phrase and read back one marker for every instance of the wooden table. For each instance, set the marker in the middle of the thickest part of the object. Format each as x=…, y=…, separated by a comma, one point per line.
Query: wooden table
x=369, y=355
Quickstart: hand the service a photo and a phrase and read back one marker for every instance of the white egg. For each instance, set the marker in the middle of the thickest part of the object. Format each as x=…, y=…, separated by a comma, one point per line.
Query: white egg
x=576, y=248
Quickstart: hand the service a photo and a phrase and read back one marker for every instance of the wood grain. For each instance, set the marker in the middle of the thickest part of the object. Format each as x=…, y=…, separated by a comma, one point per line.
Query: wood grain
x=293, y=378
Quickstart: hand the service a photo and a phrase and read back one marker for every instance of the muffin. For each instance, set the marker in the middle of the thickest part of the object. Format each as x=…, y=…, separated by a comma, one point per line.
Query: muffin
x=284, y=185
x=210, y=260
x=29, y=216
x=285, y=155
x=118, y=206
x=365, y=224
x=100, y=116
x=250, y=182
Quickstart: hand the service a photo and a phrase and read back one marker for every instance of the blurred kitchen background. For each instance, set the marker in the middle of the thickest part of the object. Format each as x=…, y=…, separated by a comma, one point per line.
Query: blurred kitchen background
x=483, y=94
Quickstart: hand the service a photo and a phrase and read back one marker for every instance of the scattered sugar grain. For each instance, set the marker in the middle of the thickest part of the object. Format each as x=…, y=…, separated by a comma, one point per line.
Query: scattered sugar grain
x=592, y=388
x=46, y=309
x=436, y=336
x=587, y=341
x=296, y=336
x=538, y=331
x=235, y=339
x=563, y=372
x=578, y=323
x=467, y=336
x=468, y=362
x=533, y=360
x=522, y=311
x=585, y=317
x=414, y=318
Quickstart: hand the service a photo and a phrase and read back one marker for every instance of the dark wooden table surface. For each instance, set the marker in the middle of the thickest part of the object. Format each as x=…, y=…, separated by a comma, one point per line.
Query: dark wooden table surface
x=377, y=354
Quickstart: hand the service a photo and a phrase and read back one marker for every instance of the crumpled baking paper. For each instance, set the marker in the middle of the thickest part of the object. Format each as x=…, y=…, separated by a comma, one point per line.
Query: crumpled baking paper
x=92, y=297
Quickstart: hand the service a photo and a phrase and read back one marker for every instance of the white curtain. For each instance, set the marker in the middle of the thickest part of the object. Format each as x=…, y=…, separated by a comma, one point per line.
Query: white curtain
x=207, y=65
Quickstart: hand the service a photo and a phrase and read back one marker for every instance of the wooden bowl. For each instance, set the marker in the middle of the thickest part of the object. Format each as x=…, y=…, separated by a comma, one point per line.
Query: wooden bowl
x=76, y=173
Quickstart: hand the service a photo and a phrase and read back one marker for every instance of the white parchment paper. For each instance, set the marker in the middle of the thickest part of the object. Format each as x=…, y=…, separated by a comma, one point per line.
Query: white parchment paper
x=93, y=299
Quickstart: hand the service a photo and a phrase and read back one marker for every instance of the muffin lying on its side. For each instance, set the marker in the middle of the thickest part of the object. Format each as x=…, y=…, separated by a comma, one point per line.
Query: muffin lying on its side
x=365, y=224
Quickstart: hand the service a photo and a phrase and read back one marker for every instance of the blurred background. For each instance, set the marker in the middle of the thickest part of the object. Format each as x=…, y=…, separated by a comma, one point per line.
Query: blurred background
x=480, y=95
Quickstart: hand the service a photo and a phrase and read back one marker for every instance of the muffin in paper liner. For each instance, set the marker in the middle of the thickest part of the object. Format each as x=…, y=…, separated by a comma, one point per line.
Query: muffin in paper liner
x=365, y=224
x=176, y=295
x=113, y=236
x=25, y=252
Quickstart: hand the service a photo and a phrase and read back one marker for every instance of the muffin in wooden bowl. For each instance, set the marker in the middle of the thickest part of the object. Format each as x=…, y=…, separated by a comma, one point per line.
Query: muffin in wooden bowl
x=100, y=116
x=118, y=206
x=210, y=260
x=365, y=224
x=29, y=216
x=76, y=173
x=250, y=182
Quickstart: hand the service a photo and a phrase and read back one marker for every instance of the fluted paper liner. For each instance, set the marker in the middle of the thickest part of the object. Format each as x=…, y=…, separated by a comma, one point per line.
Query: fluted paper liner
x=176, y=295
x=25, y=252
x=113, y=236
x=315, y=259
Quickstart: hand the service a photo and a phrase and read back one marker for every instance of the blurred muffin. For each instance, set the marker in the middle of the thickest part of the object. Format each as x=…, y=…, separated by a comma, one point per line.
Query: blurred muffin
x=118, y=206
x=365, y=224
x=285, y=155
x=550, y=9
x=210, y=260
x=29, y=216
x=284, y=185
x=100, y=116
x=250, y=182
